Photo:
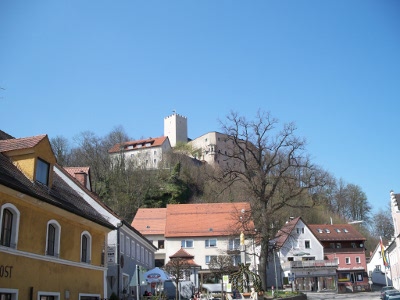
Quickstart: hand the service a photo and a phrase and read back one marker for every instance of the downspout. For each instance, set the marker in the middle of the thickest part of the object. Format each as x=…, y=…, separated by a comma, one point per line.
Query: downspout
x=119, y=225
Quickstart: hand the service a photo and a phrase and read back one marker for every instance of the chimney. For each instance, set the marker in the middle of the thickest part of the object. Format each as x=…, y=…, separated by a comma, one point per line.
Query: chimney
x=82, y=178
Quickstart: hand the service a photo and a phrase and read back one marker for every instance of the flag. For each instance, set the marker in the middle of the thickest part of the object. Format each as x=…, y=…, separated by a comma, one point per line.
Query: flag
x=383, y=254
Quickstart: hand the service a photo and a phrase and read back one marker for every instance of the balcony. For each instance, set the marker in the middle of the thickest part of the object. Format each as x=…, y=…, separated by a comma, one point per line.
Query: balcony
x=309, y=264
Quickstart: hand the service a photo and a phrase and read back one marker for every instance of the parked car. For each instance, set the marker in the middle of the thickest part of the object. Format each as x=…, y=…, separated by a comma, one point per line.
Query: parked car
x=394, y=297
x=386, y=288
x=389, y=293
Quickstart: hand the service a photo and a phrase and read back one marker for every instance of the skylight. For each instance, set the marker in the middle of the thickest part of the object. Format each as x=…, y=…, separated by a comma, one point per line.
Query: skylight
x=327, y=231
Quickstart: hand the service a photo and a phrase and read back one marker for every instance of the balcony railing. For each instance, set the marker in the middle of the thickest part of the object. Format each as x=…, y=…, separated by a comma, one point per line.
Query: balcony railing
x=309, y=264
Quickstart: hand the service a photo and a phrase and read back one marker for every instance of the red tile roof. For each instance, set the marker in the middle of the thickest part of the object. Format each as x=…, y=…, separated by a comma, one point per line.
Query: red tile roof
x=204, y=219
x=138, y=144
x=190, y=220
x=282, y=234
x=150, y=221
x=21, y=143
x=74, y=170
x=336, y=232
x=182, y=253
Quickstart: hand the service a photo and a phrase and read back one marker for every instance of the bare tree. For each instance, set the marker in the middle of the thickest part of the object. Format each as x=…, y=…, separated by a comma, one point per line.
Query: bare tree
x=179, y=268
x=382, y=223
x=61, y=149
x=273, y=169
x=221, y=265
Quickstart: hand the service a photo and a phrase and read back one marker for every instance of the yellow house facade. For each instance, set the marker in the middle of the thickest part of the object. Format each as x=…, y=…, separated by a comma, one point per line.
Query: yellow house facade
x=52, y=242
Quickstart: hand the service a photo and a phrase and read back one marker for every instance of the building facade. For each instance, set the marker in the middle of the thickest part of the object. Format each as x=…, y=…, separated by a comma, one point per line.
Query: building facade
x=203, y=230
x=176, y=129
x=128, y=252
x=52, y=242
x=302, y=259
x=144, y=154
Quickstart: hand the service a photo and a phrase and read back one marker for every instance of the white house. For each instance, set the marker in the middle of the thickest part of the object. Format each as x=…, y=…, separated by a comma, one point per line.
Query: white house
x=145, y=153
x=204, y=230
x=376, y=269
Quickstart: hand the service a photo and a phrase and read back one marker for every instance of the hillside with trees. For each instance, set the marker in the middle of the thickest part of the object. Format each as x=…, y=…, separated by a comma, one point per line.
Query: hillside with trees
x=276, y=176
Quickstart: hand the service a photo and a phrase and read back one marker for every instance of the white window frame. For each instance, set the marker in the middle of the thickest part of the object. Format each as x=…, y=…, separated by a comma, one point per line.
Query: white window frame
x=57, y=238
x=15, y=223
x=208, y=243
x=185, y=242
x=347, y=260
x=133, y=248
x=208, y=258
x=127, y=246
x=122, y=242
x=43, y=293
x=358, y=260
x=13, y=292
x=88, y=257
x=305, y=244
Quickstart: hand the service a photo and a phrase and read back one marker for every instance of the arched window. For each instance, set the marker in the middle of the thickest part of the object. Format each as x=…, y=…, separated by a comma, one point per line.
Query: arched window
x=86, y=247
x=53, y=238
x=9, y=221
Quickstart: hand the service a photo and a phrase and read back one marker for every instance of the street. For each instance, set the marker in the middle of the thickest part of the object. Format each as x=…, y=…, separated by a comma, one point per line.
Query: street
x=329, y=296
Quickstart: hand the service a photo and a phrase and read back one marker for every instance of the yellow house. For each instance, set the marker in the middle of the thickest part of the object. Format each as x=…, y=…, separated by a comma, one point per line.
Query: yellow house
x=52, y=242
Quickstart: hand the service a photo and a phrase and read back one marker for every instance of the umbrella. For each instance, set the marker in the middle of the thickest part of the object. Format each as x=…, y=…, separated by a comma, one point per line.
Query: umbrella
x=156, y=275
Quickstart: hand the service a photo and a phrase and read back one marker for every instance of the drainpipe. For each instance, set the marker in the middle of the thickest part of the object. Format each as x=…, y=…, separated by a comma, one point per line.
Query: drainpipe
x=119, y=225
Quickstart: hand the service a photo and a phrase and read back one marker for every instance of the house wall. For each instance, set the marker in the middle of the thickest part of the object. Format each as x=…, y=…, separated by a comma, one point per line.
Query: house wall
x=31, y=270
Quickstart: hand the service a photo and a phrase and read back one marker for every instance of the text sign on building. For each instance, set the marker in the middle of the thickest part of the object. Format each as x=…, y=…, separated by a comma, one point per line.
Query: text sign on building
x=110, y=255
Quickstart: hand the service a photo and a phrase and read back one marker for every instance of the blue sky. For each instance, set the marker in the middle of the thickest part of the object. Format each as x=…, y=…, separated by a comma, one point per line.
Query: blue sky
x=332, y=67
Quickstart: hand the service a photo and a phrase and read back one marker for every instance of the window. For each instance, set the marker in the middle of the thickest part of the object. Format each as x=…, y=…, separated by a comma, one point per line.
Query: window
x=53, y=238
x=332, y=245
x=353, y=245
x=187, y=244
x=307, y=244
x=9, y=221
x=138, y=251
x=122, y=243
x=209, y=258
x=160, y=244
x=234, y=244
x=42, y=171
x=132, y=249
x=358, y=260
x=347, y=260
x=86, y=245
x=290, y=258
x=300, y=230
x=128, y=246
x=142, y=254
x=8, y=294
x=338, y=245
x=211, y=243
x=377, y=268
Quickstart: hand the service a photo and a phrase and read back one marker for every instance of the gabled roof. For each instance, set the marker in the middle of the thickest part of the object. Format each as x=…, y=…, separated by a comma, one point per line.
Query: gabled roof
x=186, y=256
x=150, y=221
x=139, y=144
x=336, y=232
x=182, y=253
x=5, y=135
x=59, y=194
x=283, y=234
x=21, y=143
x=75, y=170
x=191, y=220
x=204, y=219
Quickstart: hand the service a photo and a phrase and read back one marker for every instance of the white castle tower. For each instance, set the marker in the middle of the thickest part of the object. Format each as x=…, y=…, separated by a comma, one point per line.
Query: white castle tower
x=175, y=128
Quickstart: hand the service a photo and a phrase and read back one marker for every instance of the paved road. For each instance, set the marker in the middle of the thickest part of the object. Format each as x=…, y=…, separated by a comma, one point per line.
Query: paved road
x=331, y=296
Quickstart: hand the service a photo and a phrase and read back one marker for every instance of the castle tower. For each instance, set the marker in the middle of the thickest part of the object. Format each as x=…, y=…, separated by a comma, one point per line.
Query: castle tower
x=175, y=128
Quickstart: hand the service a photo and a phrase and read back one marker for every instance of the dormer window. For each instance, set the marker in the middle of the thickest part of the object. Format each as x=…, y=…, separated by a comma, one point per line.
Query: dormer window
x=42, y=171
